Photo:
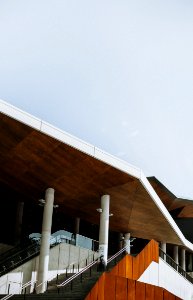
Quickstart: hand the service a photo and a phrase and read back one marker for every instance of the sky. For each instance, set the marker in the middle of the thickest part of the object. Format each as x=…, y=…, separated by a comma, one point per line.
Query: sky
x=117, y=74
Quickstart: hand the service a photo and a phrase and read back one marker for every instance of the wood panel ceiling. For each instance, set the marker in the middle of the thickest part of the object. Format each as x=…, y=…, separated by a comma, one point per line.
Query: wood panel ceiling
x=32, y=161
x=178, y=207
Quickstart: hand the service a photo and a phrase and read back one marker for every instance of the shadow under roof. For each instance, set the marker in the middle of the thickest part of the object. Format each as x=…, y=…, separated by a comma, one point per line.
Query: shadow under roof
x=34, y=156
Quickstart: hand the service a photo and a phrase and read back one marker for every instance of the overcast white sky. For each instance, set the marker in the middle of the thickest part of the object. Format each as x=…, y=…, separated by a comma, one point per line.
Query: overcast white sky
x=118, y=74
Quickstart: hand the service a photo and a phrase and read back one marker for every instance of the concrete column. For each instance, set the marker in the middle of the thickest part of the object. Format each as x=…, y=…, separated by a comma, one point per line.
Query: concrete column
x=104, y=227
x=77, y=225
x=18, y=222
x=45, y=241
x=120, y=240
x=163, y=248
x=127, y=242
x=176, y=257
x=183, y=259
x=190, y=262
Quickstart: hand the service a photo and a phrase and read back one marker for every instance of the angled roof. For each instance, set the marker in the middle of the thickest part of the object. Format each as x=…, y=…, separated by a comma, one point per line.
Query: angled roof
x=35, y=155
x=178, y=207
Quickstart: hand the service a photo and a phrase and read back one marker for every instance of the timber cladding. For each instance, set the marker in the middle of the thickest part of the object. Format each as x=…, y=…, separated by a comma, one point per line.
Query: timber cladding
x=121, y=282
x=133, y=267
x=112, y=287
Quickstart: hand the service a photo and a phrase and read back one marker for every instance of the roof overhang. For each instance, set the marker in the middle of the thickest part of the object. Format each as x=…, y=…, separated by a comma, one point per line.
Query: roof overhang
x=36, y=155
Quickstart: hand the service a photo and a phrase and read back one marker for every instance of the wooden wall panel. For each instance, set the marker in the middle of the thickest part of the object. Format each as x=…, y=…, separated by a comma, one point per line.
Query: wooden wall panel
x=141, y=264
x=94, y=292
x=101, y=283
x=114, y=270
x=140, y=291
x=121, y=288
x=147, y=256
x=120, y=283
x=149, y=292
x=168, y=296
x=129, y=266
x=136, y=262
x=109, y=287
x=158, y=293
x=155, y=251
x=122, y=267
x=131, y=289
x=133, y=267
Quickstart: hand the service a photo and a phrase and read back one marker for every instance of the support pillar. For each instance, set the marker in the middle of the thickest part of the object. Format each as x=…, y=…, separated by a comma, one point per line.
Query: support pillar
x=45, y=241
x=18, y=223
x=190, y=262
x=176, y=258
x=77, y=225
x=120, y=240
x=183, y=259
x=127, y=242
x=163, y=248
x=104, y=228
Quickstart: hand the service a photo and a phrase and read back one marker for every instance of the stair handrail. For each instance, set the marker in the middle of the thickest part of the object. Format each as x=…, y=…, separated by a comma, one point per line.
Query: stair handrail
x=25, y=285
x=89, y=266
x=116, y=254
x=175, y=265
x=50, y=278
x=15, y=264
x=67, y=267
x=77, y=274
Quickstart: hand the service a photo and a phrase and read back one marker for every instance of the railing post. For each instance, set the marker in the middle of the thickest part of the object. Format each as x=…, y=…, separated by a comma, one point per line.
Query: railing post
x=71, y=285
x=8, y=288
x=34, y=288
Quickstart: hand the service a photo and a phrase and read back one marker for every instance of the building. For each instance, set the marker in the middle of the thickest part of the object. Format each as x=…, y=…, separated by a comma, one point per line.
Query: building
x=90, y=189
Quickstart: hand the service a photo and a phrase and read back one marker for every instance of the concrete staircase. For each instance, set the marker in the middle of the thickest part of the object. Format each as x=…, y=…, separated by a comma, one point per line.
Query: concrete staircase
x=75, y=290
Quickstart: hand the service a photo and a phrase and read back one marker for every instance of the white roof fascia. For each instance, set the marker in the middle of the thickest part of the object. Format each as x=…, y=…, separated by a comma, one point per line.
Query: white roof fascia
x=117, y=163
x=164, y=211
x=19, y=115
x=68, y=139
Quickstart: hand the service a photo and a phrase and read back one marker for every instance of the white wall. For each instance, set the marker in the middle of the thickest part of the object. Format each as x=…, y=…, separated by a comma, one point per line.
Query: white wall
x=61, y=257
x=165, y=276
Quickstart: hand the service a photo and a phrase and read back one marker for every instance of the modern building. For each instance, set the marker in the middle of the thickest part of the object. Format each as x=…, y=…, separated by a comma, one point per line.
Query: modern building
x=52, y=181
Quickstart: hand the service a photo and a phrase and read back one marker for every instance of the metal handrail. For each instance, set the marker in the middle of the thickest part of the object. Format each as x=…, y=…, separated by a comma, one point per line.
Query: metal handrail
x=79, y=263
x=117, y=254
x=91, y=265
x=24, y=286
x=77, y=274
x=34, y=248
x=174, y=265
